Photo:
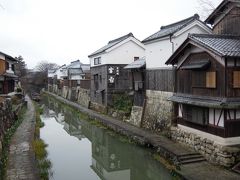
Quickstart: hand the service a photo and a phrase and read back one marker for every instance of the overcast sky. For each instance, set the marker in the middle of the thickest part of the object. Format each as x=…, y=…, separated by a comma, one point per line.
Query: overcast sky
x=62, y=31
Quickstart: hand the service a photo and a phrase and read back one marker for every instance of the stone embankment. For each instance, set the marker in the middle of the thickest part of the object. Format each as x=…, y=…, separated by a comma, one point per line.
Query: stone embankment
x=7, y=118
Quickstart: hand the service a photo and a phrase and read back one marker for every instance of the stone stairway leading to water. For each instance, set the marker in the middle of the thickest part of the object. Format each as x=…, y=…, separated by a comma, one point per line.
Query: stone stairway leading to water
x=190, y=158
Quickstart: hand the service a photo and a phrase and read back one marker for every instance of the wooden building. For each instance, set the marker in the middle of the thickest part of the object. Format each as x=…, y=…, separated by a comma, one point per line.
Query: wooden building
x=207, y=87
x=138, y=68
x=108, y=76
x=7, y=73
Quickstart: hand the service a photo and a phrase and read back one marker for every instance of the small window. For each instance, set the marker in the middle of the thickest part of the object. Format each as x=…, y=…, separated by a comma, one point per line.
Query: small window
x=236, y=79
x=97, y=61
x=136, y=58
x=211, y=79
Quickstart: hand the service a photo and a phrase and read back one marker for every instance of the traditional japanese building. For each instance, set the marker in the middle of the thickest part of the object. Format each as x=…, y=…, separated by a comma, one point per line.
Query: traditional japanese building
x=159, y=78
x=107, y=74
x=207, y=86
x=7, y=73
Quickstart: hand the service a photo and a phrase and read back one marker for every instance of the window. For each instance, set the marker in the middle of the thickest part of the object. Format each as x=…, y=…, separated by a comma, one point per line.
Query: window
x=95, y=77
x=194, y=114
x=211, y=79
x=236, y=79
x=7, y=65
x=136, y=58
x=97, y=61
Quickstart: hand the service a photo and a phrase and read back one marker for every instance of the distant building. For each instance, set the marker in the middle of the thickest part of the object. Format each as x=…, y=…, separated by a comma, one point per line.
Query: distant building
x=207, y=94
x=7, y=73
x=107, y=74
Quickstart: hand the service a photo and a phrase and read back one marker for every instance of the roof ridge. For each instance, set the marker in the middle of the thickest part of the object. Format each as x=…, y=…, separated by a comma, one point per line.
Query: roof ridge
x=121, y=38
x=224, y=36
x=194, y=17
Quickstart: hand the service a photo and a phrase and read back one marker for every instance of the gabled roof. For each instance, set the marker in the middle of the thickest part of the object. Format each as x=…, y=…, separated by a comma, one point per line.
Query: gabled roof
x=171, y=28
x=219, y=10
x=111, y=44
x=221, y=45
x=9, y=57
x=136, y=64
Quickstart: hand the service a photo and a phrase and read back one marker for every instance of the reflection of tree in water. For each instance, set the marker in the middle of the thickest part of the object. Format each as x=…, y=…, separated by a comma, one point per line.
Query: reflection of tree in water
x=112, y=158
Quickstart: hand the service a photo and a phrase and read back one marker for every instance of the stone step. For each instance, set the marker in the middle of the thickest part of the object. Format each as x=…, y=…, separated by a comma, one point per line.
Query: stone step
x=192, y=160
x=189, y=154
x=182, y=158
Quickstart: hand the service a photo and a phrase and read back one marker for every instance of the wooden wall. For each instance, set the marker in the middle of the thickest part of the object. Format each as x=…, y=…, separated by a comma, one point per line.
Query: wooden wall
x=2, y=66
x=230, y=24
x=194, y=81
x=160, y=80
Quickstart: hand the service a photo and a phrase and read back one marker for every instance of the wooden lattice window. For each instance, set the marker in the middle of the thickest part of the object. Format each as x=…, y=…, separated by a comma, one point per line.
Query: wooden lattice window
x=236, y=79
x=211, y=79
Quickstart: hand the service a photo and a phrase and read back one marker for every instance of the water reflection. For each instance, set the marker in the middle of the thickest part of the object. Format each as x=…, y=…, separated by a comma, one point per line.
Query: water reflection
x=110, y=158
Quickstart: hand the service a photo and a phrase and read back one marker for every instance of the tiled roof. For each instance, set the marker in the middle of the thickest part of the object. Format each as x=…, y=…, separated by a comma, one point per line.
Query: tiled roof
x=205, y=101
x=223, y=45
x=7, y=56
x=136, y=64
x=171, y=29
x=111, y=44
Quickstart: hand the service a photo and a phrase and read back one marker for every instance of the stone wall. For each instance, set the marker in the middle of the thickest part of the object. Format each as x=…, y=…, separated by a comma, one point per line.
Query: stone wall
x=98, y=107
x=118, y=114
x=7, y=118
x=83, y=97
x=65, y=91
x=136, y=116
x=218, y=154
x=158, y=111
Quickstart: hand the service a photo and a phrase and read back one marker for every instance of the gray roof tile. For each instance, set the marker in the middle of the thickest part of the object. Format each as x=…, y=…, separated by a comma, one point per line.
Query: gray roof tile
x=223, y=45
x=111, y=44
x=171, y=29
x=136, y=64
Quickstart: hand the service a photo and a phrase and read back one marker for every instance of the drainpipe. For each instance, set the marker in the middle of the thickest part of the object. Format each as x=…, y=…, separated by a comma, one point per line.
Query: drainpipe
x=172, y=43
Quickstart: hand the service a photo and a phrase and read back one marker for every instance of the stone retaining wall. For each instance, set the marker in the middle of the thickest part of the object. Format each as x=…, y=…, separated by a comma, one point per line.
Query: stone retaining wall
x=158, y=111
x=218, y=154
x=83, y=97
x=7, y=118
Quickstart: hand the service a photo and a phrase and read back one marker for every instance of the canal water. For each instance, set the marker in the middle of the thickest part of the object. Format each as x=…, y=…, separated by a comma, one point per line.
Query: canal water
x=81, y=149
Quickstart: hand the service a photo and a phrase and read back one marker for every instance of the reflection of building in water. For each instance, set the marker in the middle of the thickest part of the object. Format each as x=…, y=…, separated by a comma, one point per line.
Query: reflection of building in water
x=112, y=159
x=73, y=131
x=60, y=118
x=73, y=126
x=109, y=160
x=116, y=160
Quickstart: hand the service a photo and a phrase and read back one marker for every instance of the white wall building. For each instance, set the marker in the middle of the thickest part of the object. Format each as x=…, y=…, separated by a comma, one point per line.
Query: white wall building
x=161, y=45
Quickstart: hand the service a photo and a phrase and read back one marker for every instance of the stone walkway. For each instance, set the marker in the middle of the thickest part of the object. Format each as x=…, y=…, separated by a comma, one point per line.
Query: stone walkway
x=21, y=162
x=195, y=171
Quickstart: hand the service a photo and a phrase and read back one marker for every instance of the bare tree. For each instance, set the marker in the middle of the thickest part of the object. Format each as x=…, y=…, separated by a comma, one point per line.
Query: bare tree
x=206, y=7
x=44, y=66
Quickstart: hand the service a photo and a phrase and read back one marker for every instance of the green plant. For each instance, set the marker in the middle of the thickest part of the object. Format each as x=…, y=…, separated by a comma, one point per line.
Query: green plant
x=19, y=89
x=39, y=147
x=122, y=102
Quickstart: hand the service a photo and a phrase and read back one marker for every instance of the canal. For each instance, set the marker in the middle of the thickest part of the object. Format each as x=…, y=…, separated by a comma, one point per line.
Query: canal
x=82, y=149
